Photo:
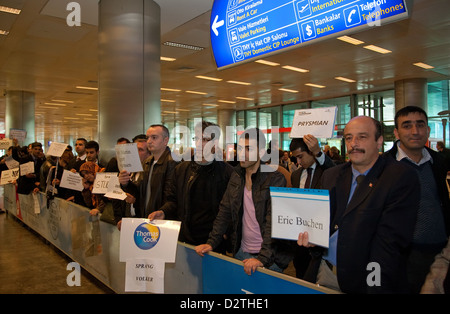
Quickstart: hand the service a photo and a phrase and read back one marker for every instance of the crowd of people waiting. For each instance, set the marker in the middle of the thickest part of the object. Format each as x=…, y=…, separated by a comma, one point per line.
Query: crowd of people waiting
x=390, y=209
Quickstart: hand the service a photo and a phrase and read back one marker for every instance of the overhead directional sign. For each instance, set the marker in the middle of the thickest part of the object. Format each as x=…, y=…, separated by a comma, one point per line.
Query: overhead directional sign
x=245, y=29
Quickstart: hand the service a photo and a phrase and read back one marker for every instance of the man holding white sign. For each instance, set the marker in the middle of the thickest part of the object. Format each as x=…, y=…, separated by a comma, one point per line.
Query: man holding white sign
x=373, y=205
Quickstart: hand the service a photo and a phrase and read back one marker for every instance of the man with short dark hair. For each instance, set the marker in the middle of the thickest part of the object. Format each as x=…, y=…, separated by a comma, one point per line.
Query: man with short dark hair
x=27, y=183
x=246, y=208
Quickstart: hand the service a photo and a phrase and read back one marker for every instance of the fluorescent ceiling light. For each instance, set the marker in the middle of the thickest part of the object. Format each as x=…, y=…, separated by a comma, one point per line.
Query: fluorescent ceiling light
x=239, y=83
x=170, y=89
x=45, y=107
x=167, y=100
x=314, y=85
x=245, y=98
x=288, y=67
x=265, y=62
x=2, y=32
x=210, y=105
x=84, y=114
x=195, y=92
x=423, y=65
x=71, y=118
x=377, y=49
x=208, y=78
x=340, y=78
x=93, y=110
x=87, y=87
x=54, y=104
x=227, y=101
x=351, y=40
x=183, y=46
x=170, y=112
x=167, y=59
x=183, y=110
x=288, y=90
x=9, y=10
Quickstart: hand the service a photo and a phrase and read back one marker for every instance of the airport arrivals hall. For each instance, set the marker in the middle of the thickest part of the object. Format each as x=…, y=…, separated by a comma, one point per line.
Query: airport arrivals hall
x=214, y=150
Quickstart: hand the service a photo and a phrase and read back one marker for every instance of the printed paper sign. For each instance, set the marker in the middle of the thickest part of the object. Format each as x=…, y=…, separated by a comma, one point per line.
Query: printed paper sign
x=318, y=122
x=144, y=239
x=18, y=134
x=114, y=190
x=128, y=157
x=145, y=275
x=299, y=210
x=26, y=168
x=8, y=176
x=57, y=149
x=72, y=181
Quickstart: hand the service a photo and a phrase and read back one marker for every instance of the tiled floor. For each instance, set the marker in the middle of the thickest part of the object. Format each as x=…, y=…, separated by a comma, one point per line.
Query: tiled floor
x=29, y=265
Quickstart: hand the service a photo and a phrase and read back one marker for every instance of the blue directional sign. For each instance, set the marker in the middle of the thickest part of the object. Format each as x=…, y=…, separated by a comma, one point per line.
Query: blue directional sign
x=246, y=29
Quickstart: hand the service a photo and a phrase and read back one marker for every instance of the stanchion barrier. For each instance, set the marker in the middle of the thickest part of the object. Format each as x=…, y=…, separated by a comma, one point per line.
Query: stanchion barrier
x=94, y=244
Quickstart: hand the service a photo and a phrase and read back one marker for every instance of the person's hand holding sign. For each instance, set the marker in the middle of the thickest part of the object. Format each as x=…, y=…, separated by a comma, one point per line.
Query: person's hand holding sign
x=303, y=240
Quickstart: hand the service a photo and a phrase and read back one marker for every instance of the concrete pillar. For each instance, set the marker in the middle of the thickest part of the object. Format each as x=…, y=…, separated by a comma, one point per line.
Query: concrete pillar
x=411, y=92
x=20, y=114
x=129, y=70
x=224, y=120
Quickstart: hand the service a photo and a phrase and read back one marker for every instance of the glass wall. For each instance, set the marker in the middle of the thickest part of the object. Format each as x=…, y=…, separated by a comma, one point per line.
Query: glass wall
x=379, y=105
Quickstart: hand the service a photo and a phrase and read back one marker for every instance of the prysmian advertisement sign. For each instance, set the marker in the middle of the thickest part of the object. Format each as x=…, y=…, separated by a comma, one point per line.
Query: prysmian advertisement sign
x=242, y=30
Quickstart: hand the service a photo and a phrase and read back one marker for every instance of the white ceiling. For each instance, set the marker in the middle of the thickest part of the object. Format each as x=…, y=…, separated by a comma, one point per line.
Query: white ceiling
x=43, y=55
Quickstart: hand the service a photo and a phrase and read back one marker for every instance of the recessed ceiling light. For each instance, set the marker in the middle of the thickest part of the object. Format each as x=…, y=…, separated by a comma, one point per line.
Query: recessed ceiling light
x=9, y=10
x=315, y=85
x=423, y=65
x=54, y=104
x=93, y=110
x=265, y=62
x=208, y=78
x=288, y=90
x=167, y=100
x=170, y=89
x=66, y=101
x=239, y=83
x=377, y=49
x=195, y=92
x=2, y=32
x=351, y=40
x=227, y=101
x=71, y=118
x=245, y=98
x=87, y=87
x=210, y=105
x=167, y=59
x=288, y=67
x=340, y=78
x=84, y=114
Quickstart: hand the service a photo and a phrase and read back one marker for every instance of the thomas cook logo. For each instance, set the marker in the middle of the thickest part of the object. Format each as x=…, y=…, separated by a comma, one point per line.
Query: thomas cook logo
x=146, y=236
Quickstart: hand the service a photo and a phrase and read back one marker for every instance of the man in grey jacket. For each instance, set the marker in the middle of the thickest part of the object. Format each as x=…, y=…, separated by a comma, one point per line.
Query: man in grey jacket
x=246, y=209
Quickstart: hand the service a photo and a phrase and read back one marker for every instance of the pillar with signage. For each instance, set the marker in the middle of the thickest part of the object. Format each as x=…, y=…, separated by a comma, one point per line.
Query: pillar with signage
x=19, y=116
x=129, y=70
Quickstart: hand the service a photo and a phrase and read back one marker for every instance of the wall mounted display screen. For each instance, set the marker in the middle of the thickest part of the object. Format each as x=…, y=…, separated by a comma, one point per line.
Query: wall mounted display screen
x=245, y=29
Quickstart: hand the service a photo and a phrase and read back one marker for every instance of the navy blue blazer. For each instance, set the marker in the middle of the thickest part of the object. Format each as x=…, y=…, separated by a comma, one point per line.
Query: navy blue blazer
x=377, y=225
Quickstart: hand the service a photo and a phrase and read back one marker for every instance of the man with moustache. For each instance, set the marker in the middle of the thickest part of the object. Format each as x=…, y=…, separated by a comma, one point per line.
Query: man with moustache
x=373, y=207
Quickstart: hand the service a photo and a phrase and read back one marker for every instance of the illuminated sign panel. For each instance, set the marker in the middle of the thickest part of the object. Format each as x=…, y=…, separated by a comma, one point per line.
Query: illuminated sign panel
x=245, y=29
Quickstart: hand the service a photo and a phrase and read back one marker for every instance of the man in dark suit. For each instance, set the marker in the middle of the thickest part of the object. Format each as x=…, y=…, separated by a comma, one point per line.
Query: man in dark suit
x=373, y=207
x=312, y=163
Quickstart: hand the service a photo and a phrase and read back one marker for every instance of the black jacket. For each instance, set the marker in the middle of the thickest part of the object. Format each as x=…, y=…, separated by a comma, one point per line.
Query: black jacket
x=231, y=211
x=377, y=225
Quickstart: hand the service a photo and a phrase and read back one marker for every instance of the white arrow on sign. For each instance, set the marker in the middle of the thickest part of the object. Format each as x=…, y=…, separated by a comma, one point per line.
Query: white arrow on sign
x=216, y=24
